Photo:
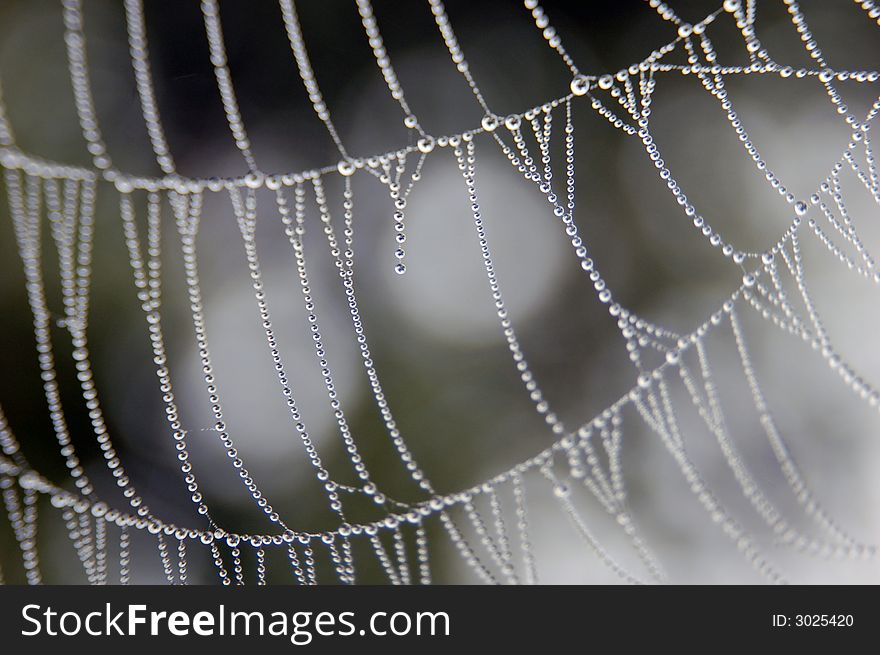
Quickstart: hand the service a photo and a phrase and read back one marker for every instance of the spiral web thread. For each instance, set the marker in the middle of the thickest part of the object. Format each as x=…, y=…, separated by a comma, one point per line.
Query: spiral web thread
x=581, y=461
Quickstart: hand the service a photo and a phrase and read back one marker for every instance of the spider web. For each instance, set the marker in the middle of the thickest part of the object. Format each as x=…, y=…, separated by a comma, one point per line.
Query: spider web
x=488, y=524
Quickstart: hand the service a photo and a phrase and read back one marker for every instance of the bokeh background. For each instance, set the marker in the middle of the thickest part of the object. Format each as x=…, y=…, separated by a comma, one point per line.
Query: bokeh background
x=433, y=332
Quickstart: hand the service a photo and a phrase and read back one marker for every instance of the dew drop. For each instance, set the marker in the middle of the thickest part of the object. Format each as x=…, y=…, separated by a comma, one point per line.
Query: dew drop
x=345, y=168
x=580, y=85
x=489, y=123
x=253, y=180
